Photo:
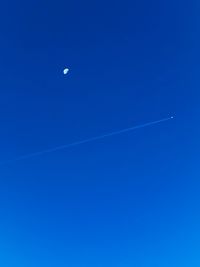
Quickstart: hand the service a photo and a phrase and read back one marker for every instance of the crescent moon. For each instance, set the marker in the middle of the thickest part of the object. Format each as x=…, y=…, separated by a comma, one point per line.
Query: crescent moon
x=65, y=71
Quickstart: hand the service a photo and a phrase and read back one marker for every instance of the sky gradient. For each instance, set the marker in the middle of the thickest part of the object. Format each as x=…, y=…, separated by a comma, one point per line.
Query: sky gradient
x=128, y=200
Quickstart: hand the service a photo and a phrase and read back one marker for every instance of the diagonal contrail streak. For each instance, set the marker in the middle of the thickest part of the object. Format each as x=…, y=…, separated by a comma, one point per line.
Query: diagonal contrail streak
x=27, y=156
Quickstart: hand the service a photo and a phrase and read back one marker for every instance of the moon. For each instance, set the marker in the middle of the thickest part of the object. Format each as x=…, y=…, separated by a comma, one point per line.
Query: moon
x=65, y=71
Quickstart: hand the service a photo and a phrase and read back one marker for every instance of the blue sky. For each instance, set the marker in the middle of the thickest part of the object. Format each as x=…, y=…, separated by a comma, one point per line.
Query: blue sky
x=128, y=200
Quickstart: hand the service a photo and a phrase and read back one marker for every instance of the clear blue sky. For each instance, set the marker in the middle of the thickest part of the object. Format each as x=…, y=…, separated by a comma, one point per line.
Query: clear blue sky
x=129, y=200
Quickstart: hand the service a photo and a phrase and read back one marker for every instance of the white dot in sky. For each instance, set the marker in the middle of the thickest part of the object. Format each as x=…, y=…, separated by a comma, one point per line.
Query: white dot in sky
x=65, y=71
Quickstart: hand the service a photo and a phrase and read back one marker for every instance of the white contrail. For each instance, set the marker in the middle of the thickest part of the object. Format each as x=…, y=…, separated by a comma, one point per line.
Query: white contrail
x=27, y=156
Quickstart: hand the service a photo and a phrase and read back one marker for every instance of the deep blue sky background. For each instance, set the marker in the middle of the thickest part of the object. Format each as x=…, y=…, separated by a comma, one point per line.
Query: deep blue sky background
x=130, y=200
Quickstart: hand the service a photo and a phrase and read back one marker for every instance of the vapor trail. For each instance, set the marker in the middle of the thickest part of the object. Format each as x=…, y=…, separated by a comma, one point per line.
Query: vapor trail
x=27, y=156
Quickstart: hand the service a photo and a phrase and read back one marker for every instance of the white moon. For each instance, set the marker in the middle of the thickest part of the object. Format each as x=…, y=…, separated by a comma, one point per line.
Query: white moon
x=65, y=71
